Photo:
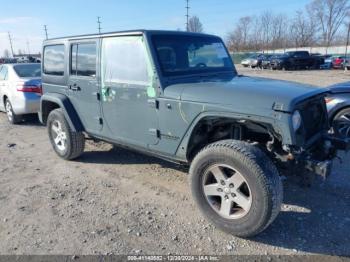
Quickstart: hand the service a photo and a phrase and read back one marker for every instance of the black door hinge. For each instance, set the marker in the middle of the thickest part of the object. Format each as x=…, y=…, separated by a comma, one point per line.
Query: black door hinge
x=100, y=120
x=154, y=103
x=154, y=132
x=98, y=96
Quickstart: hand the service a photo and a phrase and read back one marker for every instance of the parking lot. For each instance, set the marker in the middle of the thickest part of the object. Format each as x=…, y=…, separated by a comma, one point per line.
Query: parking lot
x=115, y=201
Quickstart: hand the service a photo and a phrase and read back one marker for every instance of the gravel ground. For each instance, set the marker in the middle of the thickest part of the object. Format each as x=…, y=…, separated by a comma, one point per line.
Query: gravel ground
x=116, y=201
x=321, y=78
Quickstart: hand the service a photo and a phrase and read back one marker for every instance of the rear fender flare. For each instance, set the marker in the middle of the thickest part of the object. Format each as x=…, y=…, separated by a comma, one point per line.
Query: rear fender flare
x=64, y=103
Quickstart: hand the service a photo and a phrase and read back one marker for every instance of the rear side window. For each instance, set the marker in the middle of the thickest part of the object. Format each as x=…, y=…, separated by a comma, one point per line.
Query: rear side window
x=54, y=60
x=28, y=70
x=83, y=59
x=3, y=73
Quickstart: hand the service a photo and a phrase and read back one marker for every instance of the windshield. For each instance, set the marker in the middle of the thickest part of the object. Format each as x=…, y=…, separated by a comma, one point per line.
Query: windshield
x=28, y=70
x=187, y=54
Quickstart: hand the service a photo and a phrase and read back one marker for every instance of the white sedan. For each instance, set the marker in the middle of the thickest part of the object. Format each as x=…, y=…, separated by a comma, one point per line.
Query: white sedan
x=20, y=90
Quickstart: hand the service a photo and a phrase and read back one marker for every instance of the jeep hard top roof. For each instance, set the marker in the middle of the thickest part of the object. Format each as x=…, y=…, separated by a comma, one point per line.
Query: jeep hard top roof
x=129, y=32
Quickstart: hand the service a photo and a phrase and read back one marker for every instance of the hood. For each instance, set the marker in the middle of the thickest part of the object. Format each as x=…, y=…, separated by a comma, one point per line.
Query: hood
x=251, y=93
x=340, y=88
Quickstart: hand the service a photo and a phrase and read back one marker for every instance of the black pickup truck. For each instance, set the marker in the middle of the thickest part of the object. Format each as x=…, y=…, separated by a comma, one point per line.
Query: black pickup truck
x=297, y=60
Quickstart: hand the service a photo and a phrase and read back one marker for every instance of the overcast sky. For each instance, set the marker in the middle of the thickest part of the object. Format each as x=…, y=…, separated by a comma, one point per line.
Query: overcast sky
x=24, y=19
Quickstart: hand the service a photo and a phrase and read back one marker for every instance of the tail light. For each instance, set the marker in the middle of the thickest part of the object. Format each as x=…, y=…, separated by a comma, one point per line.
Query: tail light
x=22, y=87
x=339, y=61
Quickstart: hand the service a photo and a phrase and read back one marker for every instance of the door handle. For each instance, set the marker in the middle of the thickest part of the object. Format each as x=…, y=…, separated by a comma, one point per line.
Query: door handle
x=74, y=87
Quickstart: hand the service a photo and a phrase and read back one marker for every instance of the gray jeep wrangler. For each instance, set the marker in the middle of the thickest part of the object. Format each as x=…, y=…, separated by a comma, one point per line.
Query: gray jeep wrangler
x=178, y=96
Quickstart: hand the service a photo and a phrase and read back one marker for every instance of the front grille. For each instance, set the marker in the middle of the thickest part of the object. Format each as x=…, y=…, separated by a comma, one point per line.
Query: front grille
x=314, y=117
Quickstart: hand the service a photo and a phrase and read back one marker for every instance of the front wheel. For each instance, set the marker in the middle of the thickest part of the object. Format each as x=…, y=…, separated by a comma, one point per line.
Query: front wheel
x=237, y=187
x=66, y=143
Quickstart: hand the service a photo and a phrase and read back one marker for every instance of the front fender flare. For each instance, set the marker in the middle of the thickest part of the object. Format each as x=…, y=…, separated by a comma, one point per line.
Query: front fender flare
x=64, y=103
x=276, y=122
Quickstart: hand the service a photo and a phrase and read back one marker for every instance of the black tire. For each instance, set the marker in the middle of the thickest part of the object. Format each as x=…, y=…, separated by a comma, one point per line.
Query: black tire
x=74, y=142
x=11, y=116
x=260, y=174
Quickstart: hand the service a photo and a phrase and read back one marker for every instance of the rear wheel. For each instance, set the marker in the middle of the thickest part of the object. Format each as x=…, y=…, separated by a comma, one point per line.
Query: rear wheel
x=236, y=186
x=11, y=116
x=66, y=143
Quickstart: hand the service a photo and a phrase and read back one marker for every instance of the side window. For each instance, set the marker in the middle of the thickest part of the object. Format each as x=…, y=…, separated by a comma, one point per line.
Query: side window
x=83, y=59
x=3, y=73
x=54, y=60
x=125, y=60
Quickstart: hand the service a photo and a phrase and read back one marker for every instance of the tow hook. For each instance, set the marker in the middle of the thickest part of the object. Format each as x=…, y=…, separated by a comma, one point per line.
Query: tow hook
x=322, y=168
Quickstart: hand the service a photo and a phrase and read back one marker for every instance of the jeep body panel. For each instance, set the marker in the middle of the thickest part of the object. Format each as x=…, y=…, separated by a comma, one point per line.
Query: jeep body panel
x=83, y=90
x=159, y=115
x=260, y=94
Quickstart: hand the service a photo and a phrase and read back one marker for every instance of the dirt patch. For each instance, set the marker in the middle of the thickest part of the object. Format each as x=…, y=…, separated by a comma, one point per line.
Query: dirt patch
x=321, y=78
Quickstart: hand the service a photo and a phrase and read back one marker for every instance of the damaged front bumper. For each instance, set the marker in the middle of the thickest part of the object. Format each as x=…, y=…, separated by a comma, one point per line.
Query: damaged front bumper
x=318, y=159
x=321, y=168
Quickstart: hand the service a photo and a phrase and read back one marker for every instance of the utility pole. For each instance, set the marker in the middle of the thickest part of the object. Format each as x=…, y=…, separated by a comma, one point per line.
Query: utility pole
x=28, y=47
x=11, y=43
x=187, y=15
x=347, y=42
x=45, y=29
x=99, y=25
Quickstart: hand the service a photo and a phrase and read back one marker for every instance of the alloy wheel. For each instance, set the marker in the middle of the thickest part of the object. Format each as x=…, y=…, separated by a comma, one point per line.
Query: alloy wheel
x=9, y=111
x=58, y=135
x=227, y=191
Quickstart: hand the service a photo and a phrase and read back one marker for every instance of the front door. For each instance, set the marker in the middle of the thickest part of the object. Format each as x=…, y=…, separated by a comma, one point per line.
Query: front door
x=128, y=96
x=83, y=86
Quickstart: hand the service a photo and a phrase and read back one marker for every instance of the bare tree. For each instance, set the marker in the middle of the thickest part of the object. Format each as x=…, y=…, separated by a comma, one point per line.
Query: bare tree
x=238, y=39
x=279, y=24
x=195, y=25
x=234, y=41
x=244, y=25
x=330, y=15
x=266, y=20
x=256, y=38
x=302, y=31
x=6, y=53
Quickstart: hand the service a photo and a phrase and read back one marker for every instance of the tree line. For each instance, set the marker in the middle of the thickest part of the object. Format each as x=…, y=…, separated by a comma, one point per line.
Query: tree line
x=321, y=23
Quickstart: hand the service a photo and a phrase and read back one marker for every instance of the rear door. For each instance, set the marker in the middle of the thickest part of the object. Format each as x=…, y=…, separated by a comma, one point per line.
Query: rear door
x=83, y=85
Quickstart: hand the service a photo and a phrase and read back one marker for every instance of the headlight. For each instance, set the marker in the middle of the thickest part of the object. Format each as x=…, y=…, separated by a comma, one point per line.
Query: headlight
x=296, y=120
